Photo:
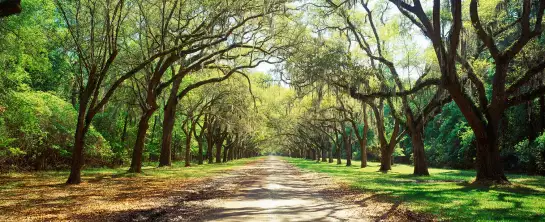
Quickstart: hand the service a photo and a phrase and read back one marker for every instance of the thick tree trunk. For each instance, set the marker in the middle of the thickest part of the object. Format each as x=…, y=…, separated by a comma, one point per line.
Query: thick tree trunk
x=324, y=155
x=313, y=154
x=385, y=160
x=489, y=166
x=143, y=125
x=420, y=163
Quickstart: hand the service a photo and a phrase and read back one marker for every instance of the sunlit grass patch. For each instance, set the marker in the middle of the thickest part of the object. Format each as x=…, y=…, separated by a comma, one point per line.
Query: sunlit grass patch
x=446, y=193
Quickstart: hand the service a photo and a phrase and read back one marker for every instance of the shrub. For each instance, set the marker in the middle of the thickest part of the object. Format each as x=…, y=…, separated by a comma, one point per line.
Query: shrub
x=37, y=131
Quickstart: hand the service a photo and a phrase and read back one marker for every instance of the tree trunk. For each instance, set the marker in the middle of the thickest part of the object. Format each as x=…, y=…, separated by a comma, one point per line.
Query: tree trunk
x=82, y=127
x=489, y=167
x=143, y=125
x=330, y=154
x=188, y=149
x=200, y=154
x=218, y=150
x=77, y=153
x=542, y=113
x=532, y=130
x=225, y=152
x=385, y=160
x=209, y=146
x=168, y=126
x=339, y=154
x=348, y=148
x=363, y=142
x=420, y=163
x=324, y=155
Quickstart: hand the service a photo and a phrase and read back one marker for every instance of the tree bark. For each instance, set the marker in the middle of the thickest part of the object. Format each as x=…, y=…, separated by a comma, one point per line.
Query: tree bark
x=188, y=148
x=420, y=163
x=324, y=155
x=347, y=147
x=219, y=143
x=77, y=153
x=143, y=125
x=489, y=167
x=168, y=125
x=542, y=113
x=385, y=160
x=200, y=154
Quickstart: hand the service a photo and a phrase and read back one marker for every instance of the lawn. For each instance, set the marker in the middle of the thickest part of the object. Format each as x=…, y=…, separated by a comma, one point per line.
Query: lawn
x=44, y=196
x=447, y=194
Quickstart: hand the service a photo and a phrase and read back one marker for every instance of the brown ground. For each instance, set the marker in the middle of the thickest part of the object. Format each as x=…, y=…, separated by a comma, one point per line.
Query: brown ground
x=266, y=190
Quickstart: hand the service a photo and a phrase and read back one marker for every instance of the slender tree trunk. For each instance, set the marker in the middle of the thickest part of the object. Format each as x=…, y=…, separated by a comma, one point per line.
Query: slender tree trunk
x=168, y=126
x=200, y=155
x=143, y=125
x=363, y=143
x=348, y=148
x=330, y=154
x=209, y=146
x=225, y=152
x=531, y=122
x=124, y=132
x=339, y=154
x=542, y=113
x=218, y=150
x=188, y=148
x=77, y=153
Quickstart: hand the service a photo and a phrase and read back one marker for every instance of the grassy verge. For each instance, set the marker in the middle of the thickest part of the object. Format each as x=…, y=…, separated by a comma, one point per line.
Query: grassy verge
x=44, y=196
x=447, y=194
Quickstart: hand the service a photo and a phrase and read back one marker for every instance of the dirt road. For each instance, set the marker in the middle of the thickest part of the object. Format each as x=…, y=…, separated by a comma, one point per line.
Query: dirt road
x=283, y=193
x=271, y=190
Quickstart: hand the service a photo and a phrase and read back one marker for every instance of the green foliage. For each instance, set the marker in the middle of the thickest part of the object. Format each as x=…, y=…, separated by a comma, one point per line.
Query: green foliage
x=531, y=155
x=38, y=130
x=449, y=140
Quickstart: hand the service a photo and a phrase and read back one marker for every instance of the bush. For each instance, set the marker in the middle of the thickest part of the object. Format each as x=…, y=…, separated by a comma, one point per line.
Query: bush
x=531, y=156
x=37, y=131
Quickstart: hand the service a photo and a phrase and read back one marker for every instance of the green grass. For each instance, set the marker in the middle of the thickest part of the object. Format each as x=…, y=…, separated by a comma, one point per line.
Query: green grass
x=447, y=194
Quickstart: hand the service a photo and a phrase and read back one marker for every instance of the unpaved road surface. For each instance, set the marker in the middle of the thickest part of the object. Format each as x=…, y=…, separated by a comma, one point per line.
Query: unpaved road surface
x=271, y=190
x=283, y=193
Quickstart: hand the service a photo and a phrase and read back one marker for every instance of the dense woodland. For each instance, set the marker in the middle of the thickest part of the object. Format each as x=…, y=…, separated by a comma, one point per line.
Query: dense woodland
x=110, y=83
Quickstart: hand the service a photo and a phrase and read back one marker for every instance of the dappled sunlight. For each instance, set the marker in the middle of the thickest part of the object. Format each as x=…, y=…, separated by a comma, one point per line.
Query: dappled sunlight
x=446, y=193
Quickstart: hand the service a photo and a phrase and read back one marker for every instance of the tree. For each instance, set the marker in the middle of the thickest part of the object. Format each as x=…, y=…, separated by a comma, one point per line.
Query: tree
x=95, y=28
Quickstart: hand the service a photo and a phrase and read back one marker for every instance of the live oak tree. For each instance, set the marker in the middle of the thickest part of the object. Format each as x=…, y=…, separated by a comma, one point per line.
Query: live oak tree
x=484, y=113
x=97, y=30
x=232, y=39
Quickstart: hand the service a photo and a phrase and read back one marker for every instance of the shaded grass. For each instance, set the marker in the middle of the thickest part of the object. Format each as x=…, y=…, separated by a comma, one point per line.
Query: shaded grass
x=447, y=194
x=44, y=196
